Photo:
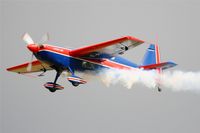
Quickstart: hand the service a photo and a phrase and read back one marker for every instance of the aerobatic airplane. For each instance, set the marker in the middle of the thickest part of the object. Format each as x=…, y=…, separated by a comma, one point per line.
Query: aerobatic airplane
x=89, y=58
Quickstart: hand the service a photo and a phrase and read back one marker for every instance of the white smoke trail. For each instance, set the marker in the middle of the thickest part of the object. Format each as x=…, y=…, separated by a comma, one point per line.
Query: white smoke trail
x=129, y=77
x=181, y=81
x=174, y=80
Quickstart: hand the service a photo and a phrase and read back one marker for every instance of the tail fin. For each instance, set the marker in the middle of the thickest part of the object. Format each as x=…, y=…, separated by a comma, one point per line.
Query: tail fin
x=152, y=55
x=151, y=60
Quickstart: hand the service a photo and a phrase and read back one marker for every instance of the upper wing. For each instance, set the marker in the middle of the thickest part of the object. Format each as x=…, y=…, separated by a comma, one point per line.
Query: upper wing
x=113, y=47
x=37, y=66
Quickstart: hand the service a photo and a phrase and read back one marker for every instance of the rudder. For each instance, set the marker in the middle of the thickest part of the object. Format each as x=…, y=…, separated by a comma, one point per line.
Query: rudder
x=152, y=55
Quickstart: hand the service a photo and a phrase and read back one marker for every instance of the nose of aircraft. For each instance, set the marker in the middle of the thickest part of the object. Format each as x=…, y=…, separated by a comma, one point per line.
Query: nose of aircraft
x=33, y=48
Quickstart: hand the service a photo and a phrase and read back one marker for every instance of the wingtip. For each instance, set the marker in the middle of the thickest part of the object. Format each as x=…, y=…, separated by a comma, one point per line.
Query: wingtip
x=133, y=38
x=8, y=69
x=173, y=63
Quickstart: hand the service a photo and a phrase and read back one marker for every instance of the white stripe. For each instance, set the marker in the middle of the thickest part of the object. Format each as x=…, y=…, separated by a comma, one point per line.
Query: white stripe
x=151, y=50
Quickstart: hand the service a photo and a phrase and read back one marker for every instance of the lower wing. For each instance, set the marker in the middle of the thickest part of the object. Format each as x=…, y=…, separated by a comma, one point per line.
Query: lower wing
x=37, y=66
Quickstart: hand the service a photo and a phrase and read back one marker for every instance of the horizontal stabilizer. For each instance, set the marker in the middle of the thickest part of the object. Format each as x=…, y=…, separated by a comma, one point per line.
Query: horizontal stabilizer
x=163, y=66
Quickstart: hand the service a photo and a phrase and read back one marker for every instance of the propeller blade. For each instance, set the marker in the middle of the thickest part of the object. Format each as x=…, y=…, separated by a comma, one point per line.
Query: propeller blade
x=44, y=38
x=27, y=38
x=29, y=67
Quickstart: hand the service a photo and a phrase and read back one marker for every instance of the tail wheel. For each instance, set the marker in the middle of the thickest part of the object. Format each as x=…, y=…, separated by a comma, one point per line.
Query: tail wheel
x=159, y=89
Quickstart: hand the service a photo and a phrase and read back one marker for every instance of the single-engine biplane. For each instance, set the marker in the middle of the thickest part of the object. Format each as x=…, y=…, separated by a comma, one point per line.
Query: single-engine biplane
x=95, y=57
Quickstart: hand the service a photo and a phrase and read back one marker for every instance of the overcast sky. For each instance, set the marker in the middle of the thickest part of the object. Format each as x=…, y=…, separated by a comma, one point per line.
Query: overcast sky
x=26, y=106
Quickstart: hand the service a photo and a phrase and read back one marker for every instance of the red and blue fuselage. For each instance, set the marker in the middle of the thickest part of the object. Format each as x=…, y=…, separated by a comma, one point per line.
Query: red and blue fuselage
x=60, y=58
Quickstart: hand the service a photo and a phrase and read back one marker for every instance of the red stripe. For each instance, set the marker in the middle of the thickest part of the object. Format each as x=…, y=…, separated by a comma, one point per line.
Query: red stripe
x=108, y=63
x=153, y=66
x=51, y=85
x=158, y=58
x=114, y=65
x=56, y=49
x=157, y=55
x=76, y=79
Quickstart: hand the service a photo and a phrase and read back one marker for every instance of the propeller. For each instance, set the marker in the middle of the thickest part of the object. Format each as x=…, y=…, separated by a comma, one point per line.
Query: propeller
x=29, y=67
x=33, y=47
x=44, y=38
x=27, y=38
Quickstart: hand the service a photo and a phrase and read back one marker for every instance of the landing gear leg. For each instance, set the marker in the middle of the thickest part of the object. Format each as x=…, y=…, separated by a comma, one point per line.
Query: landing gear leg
x=74, y=83
x=71, y=71
x=56, y=78
x=53, y=89
x=159, y=89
